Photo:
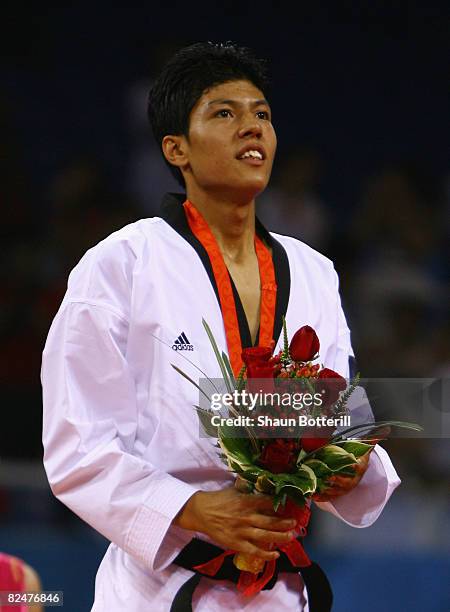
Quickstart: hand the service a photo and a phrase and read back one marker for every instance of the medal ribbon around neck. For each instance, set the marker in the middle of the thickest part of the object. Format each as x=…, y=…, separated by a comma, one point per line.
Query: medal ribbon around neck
x=202, y=232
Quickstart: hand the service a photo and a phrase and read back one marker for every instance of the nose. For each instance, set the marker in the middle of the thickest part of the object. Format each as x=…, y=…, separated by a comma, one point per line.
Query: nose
x=251, y=127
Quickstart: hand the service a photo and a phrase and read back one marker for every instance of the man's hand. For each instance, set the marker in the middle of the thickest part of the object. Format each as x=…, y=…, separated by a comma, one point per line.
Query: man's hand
x=238, y=521
x=340, y=485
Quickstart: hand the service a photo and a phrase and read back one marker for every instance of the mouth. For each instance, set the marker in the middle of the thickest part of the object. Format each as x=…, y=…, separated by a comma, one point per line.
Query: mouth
x=253, y=155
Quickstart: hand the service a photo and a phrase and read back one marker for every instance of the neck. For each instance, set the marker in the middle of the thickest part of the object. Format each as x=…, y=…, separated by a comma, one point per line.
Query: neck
x=232, y=224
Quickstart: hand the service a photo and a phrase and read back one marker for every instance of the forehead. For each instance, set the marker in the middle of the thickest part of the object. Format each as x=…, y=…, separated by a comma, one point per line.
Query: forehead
x=241, y=91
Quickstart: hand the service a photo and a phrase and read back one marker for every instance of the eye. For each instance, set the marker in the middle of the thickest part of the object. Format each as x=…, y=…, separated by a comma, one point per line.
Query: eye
x=263, y=115
x=224, y=113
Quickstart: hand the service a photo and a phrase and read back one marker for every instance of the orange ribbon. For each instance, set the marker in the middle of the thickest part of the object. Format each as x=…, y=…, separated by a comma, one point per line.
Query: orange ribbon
x=202, y=232
x=210, y=568
x=248, y=584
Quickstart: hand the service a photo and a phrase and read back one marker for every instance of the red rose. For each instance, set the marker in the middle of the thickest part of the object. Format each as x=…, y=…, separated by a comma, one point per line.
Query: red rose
x=330, y=384
x=310, y=445
x=260, y=370
x=327, y=373
x=256, y=354
x=257, y=372
x=279, y=456
x=315, y=437
x=259, y=366
x=300, y=513
x=304, y=345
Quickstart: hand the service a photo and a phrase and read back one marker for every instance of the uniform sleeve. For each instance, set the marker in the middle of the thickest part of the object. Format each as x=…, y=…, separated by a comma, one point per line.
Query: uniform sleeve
x=362, y=506
x=89, y=429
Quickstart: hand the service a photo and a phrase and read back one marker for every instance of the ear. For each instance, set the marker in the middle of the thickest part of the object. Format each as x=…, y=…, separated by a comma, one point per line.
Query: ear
x=174, y=149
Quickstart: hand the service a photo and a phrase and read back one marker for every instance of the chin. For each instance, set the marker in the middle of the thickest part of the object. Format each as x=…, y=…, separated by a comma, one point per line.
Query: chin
x=247, y=193
x=258, y=186
x=240, y=189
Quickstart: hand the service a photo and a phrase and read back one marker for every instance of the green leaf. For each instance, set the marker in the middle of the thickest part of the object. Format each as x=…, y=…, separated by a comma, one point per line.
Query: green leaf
x=285, y=355
x=304, y=479
x=240, y=383
x=227, y=364
x=237, y=450
x=305, y=469
x=237, y=446
x=227, y=431
x=320, y=469
x=302, y=454
x=224, y=459
x=177, y=369
x=205, y=420
x=220, y=361
x=252, y=473
x=356, y=448
x=294, y=493
x=347, y=471
x=334, y=457
x=234, y=467
x=311, y=477
x=345, y=396
x=359, y=431
x=279, y=499
x=264, y=484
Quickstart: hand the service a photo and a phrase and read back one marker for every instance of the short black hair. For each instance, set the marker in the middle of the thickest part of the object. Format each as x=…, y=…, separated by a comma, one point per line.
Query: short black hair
x=186, y=77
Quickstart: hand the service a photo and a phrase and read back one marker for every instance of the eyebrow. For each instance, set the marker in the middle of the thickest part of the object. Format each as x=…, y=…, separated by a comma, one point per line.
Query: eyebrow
x=263, y=101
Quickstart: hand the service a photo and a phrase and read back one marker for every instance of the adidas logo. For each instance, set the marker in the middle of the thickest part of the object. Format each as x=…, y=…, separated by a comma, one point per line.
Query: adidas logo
x=182, y=343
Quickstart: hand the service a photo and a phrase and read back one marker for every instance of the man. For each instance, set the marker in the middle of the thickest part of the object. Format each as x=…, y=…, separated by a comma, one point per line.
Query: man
x=122, y=444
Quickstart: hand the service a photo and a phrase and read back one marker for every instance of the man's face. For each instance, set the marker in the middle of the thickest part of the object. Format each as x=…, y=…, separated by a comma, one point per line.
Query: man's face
x=231, y=143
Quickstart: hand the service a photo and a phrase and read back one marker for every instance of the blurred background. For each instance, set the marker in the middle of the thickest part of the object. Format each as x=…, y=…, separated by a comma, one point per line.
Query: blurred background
x=359, y=96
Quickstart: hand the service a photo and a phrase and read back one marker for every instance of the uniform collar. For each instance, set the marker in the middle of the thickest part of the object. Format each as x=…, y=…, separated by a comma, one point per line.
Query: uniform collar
x=173, y=213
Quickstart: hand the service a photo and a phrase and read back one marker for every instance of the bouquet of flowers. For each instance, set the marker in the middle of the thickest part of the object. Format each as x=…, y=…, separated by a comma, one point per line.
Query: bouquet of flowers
x=290, y=459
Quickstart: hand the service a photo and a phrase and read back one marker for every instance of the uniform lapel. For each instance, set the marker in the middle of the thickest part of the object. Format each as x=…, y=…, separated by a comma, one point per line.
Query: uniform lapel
x=172, y=212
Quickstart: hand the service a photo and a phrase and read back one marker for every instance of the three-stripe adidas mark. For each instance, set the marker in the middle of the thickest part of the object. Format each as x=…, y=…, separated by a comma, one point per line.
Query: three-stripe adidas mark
x=182, y=343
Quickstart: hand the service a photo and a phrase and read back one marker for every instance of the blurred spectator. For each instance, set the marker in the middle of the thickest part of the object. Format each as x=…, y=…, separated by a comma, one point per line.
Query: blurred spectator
x=398, y=293
x=148, y=178
x=82, y=210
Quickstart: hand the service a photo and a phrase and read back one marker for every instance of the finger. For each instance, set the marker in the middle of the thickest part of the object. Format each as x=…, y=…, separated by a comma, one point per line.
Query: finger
x=252, y=549
x=261, y=536
x=272, y=523
x=345, y=485
x=340, y=481
x=363, y=462
x=322, y=497
x=262, y=503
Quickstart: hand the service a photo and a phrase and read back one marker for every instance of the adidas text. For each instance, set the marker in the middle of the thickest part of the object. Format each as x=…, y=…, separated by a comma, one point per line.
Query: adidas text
x=182, y=343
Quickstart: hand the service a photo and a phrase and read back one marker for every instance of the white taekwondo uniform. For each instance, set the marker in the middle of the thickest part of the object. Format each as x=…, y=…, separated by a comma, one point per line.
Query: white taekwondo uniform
x=121, y=436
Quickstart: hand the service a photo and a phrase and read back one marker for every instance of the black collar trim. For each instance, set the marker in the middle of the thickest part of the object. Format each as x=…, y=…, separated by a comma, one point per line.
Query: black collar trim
x=172, y=212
